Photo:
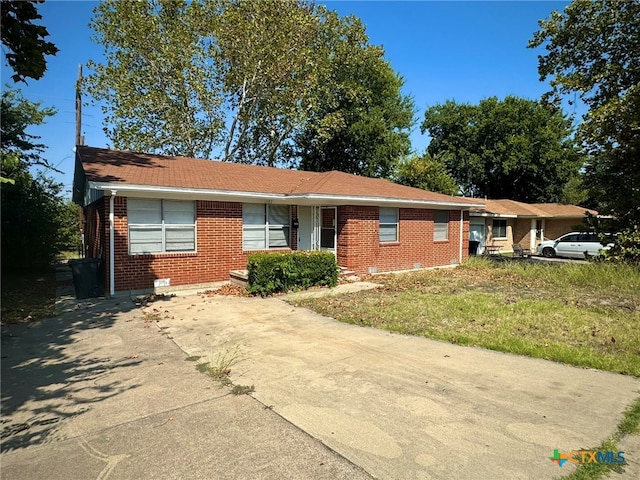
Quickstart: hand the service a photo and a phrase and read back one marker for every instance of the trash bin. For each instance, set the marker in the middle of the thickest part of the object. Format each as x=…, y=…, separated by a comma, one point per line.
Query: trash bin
x=86, y=278
x=473, y=247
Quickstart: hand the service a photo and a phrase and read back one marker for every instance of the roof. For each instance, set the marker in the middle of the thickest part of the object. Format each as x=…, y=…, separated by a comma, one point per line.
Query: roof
x=113, y=169
x=512, y=208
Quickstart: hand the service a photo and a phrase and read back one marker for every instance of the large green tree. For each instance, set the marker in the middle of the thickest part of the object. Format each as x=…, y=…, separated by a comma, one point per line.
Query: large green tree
x=426, y=172
x=515, y=148
x=242, y=79
x=362, y=120
x=273, y=62
x=24, y=39
x=17, y=145
x=592, y=49
x=157, y=87
x=32, y=206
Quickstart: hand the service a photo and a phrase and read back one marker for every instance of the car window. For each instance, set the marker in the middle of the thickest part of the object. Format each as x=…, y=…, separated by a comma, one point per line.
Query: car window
x=569, y=238
x=589, y=237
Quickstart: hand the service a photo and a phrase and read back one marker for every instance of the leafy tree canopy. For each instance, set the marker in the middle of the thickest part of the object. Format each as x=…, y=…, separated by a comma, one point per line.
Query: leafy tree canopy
x=244, y=80
x=25, y=40
x=426, y=172
x=592, y=50
x=515, y=148
x=362, y=120
x=18, y=146
x=158, y=91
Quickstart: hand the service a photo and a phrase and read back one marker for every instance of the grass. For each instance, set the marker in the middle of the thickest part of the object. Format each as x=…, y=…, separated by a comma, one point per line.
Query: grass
x=630, y=425
x=580, y=314
x=218, y=367
x=28, y=296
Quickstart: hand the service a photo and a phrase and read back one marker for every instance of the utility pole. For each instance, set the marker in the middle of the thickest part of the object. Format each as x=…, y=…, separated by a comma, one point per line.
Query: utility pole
x=79, y=139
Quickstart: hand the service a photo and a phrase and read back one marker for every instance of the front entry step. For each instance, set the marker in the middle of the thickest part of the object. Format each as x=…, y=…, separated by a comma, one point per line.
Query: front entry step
x=348, y=275
x=239, y=277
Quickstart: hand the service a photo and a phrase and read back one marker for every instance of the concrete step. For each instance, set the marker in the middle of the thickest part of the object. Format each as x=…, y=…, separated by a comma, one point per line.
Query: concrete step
x=239, y=277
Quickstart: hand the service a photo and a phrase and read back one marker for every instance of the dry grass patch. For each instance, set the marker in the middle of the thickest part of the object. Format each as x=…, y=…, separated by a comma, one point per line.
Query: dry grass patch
x=581, y=314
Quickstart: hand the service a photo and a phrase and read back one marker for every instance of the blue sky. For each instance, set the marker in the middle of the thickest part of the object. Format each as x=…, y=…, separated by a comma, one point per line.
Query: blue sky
x=465, y=51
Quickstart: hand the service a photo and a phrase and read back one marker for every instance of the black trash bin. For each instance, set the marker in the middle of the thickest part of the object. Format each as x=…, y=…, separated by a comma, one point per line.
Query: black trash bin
x=86, y=277
x=473, y=247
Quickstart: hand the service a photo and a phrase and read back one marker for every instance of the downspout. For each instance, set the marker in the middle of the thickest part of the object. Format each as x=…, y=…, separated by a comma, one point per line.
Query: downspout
x=461, y=228
x=112, y=287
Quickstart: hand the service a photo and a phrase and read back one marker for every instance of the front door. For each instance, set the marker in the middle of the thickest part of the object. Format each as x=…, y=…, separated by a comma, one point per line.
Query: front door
x=477, y=234
x=305, y=228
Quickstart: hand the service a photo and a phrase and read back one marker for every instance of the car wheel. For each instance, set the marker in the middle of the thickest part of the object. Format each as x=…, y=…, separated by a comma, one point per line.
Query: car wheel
x=548, y=252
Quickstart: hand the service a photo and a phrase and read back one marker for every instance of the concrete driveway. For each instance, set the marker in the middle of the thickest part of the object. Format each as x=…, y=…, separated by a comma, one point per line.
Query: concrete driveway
x=400, y=406
x=102, y=393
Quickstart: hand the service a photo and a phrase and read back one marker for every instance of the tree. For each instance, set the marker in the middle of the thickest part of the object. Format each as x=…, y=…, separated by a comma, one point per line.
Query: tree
x=242, y=79
x=515, y=148
x=592, y=50
x=234, y=77
x=18, y=146
x=36, y=224
x=158, y=89
x=273, y=63
x=426, y=172
x=31, y=211
x=361, y=123
x=25, y=40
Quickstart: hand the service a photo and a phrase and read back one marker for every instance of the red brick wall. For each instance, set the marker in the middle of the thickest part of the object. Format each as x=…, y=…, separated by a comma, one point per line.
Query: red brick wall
x=219, y=250
x=219, y=244
x=359, y=247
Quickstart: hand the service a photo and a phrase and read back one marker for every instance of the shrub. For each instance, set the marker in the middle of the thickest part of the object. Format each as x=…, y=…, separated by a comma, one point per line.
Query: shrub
x=280, y=272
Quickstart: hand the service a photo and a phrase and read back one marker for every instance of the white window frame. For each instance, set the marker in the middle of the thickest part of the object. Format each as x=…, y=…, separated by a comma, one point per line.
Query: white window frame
x=494, y=227
x=440, y=233
x=163, y=226
x=386, y=212
x=266, y=227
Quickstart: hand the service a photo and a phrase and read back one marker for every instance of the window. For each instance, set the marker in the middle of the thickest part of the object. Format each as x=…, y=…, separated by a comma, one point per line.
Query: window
x=499, y=229
x=265, y=226
x=440, y=225
x=388, y=224
x=160, y=226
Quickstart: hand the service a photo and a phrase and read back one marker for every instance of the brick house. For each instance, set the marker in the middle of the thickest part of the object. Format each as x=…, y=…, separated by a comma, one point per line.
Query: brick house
x=159, y=220
x=505, y=222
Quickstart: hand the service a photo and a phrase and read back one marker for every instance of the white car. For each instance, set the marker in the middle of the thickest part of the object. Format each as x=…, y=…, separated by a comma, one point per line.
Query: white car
x=572, y=245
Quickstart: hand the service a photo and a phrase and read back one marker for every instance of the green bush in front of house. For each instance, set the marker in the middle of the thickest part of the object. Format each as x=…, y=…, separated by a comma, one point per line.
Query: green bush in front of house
x=280, y=272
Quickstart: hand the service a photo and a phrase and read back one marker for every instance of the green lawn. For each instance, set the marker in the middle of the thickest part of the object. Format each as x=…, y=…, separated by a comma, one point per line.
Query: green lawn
x=580, y=314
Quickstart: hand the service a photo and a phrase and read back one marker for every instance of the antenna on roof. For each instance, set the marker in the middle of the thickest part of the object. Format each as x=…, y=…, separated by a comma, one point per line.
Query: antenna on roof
x=79, y=136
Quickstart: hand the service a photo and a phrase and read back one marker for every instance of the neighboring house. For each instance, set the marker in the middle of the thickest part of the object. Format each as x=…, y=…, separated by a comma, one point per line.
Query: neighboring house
x=505, y=222
x=159, y=220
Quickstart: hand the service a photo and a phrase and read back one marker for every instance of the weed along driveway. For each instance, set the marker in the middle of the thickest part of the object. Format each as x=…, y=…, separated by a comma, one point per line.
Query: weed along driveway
x=401, y=406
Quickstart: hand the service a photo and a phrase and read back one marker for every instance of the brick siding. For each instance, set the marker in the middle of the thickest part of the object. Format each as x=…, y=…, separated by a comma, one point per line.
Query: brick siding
x=359, y=247
x=219, y=244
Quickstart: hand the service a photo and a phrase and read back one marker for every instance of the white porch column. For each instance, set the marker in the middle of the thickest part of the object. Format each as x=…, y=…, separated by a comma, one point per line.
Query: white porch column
x=532, y=235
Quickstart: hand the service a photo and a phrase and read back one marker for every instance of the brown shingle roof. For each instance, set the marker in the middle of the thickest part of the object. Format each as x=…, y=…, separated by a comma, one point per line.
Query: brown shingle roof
x=118, y=167
x=520, y=209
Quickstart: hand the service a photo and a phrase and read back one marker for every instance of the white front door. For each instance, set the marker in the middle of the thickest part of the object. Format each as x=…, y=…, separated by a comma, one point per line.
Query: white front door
x=305, y=228
x=477, y=234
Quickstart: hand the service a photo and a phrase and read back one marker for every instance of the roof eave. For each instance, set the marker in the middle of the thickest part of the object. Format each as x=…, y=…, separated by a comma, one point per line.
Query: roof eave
x=310, y=199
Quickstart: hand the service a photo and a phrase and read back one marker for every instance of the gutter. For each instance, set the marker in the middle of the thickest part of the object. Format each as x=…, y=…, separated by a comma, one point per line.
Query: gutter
x=148, y=190
x=112, y=287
